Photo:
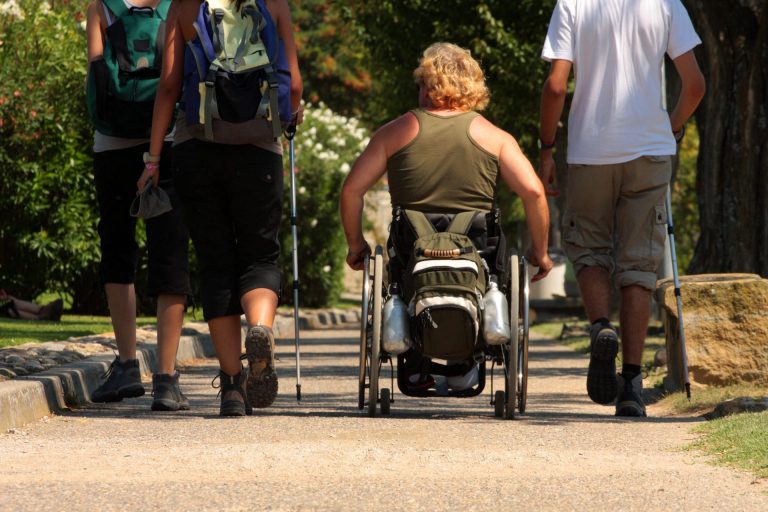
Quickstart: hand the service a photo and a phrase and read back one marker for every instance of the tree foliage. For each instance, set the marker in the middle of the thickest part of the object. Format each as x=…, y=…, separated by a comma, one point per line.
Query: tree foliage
x=332, y=56
x=48, y=238
x=506, y=38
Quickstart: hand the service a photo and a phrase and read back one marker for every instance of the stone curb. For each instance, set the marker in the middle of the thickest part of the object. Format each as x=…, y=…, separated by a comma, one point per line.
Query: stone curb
x=28, y=398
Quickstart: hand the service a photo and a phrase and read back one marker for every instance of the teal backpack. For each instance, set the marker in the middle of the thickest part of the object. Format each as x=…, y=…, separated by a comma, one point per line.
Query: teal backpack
x=121, y=85
x=444, y=282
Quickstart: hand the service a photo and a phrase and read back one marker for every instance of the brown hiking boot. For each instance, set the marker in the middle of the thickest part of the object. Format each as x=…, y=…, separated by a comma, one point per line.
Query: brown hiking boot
x=261, y=385
x=233, y=395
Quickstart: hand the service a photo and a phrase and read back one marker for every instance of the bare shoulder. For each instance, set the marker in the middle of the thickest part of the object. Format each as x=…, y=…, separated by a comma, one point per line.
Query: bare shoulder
x=279, y=9
x=489, y=136
x=397, y=133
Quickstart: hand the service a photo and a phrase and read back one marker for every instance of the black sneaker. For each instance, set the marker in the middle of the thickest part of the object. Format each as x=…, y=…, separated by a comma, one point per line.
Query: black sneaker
x=262, y=380
x=601, y=376
x=630, y=400
x=167, y=393
x=123, y=381
x=232, y=392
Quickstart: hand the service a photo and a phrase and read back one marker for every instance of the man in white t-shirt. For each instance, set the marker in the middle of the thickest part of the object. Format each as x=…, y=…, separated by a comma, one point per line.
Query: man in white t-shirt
x=620, y=146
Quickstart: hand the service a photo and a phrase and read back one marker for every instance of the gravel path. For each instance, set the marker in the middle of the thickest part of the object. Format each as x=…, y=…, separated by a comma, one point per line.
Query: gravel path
x=323, y=454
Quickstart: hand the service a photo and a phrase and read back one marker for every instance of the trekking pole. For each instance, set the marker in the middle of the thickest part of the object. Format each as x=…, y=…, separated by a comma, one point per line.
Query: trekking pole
x=678, y=297
x=290, y=133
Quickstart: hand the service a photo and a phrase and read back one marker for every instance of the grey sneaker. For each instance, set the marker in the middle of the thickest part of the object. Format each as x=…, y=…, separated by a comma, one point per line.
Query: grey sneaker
x=233, y=395
x=167, y=393
x=262, y=380
x=630, y=399
x=123, y=381
x=601, y=376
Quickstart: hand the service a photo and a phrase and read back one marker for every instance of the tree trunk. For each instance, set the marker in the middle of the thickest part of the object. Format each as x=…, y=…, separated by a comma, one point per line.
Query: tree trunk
x=733, y=123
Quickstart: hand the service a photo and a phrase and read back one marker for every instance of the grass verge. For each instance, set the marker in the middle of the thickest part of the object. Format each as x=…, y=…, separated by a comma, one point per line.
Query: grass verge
x=739, y=441
x=16, y=332
x=653, y=342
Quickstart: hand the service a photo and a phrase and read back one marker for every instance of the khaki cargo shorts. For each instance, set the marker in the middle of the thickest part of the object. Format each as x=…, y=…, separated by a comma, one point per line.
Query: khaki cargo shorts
x=616, y=218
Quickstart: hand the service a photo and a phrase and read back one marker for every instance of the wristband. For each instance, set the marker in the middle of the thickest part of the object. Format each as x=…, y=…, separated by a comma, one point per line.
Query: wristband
x=679, y=134
x=545, y=145
x=151, y=166
x=151, y=159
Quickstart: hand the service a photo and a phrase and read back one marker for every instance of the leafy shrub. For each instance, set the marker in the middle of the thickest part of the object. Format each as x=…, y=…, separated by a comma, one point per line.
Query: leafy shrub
x=326, y=145
x=48, y=238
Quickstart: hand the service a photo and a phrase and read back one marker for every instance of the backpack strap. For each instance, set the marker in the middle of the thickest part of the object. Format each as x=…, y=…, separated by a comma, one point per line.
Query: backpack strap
x=116, y=8
x=461, y=223
x=420, y=223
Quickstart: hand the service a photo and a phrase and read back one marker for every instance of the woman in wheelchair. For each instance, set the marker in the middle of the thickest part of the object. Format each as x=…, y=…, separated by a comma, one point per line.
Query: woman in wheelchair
x=441, y=159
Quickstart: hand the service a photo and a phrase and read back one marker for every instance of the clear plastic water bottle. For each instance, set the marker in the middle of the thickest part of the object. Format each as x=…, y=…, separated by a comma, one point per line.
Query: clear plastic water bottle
x=495, y=315
x=396, y=331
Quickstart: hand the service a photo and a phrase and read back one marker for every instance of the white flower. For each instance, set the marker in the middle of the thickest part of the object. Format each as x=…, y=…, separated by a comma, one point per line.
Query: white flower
x=344, y=168
x=327, y=268
x=11, y=8
x=302, y=190
x=313, y=223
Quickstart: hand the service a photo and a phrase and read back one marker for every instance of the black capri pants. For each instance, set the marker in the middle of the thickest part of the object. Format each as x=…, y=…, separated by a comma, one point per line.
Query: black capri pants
x=232, y=198
x=116, y=173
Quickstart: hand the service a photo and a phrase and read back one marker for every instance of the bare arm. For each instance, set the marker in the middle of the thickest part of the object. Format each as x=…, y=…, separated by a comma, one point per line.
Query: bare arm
x=285, y=30
x=552, y=103
x=93, y=32
x=517, y=172
x=168, y=90
x=692, y=91
x=367, y=170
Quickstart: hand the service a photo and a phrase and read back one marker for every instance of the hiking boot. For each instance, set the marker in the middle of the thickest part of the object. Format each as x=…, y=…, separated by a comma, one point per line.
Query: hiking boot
x=601, y=376
x=167, y=393
x=123, y=381
x=630, y=400
x=233, y=395
x=52, y=311
x=262, y=380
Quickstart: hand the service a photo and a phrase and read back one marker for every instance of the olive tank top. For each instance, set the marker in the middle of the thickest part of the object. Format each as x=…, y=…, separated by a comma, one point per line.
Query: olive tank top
x=443, y=170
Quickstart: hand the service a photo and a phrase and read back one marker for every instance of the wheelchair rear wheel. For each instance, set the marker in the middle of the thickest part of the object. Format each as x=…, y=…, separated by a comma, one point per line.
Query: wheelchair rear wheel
x=370, y=332
x=365, y=332
x=523, y=337
x=510, y=351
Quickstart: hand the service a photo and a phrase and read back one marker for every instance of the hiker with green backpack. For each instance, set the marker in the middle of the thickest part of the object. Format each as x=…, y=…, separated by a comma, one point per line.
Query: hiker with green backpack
x=234, y=66
x=125, y=40
x=442, y=158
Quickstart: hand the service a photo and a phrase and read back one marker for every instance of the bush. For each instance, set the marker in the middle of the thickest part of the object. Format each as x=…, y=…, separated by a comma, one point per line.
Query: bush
x=326, y=145
x=48, y=238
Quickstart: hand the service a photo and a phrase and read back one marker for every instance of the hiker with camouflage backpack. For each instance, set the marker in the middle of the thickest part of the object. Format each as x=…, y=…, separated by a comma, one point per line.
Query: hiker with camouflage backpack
x=234, y=66
x=124, y=54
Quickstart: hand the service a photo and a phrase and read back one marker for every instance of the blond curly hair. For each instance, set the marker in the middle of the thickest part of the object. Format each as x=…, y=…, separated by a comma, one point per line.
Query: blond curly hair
x=452, y=77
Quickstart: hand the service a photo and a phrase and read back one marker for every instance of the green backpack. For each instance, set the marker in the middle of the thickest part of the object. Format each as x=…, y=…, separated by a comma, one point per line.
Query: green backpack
x=121, y=85
x=444, y=282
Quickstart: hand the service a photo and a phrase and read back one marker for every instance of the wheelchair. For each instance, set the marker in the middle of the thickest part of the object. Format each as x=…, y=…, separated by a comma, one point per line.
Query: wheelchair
x=511, y=271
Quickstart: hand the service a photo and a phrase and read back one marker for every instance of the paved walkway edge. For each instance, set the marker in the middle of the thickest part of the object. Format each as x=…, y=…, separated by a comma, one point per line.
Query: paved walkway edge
x=29, y=398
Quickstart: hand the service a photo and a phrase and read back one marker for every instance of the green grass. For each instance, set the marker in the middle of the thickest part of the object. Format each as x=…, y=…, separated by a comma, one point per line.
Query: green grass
x=15, y=332
x=739, y=441
x=581, y=343
x=705, y=399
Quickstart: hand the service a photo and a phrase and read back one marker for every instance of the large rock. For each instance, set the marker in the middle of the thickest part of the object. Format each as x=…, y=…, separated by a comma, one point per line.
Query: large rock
x=725, y=317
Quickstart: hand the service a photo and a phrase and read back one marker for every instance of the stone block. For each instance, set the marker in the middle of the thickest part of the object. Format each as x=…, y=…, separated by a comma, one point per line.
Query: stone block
x=725, y=318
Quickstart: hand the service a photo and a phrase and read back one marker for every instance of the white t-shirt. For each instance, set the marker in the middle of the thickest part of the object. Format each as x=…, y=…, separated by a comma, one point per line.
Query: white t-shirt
x=617, y=49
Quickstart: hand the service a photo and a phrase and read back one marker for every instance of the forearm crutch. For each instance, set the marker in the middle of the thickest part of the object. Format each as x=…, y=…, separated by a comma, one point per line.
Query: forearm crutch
x=678, y=298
